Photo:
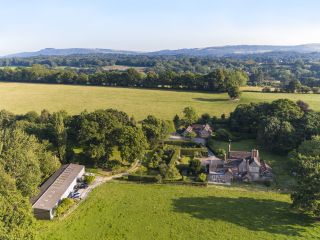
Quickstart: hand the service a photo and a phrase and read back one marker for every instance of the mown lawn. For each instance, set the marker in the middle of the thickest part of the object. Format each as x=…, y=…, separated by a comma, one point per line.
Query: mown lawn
x=22, y=97
x=138, y=211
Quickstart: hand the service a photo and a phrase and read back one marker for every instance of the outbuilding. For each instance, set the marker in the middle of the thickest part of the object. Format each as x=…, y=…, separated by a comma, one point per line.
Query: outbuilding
x=56, y=188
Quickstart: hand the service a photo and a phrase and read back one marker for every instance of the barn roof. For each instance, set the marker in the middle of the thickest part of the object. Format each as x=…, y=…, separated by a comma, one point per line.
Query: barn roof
x=53, y=189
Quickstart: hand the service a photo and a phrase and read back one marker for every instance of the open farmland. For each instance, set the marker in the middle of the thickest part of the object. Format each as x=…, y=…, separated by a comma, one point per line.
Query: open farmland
x=22, y=97
x=138, y=211
x=122, y=68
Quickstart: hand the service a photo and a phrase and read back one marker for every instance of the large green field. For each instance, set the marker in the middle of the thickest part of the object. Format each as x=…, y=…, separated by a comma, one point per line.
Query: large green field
x=22, y=97
x=137, y=211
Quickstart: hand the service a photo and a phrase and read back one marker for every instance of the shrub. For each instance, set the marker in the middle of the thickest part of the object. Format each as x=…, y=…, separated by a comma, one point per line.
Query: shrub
x=195, y=166
x=266, y=89
x=113, y=164
x=220, y=153
x=172, y=173
x=223, y=135
x=144, y=178
x=202, y=177
x=64, y=206
x=89, y=179
x=191, y=135
x=142, y=169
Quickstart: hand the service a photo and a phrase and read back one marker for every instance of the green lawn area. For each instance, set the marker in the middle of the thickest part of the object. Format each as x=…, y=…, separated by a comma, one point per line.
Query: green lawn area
x=280, y=164
x=22, y=97
x=138, y=211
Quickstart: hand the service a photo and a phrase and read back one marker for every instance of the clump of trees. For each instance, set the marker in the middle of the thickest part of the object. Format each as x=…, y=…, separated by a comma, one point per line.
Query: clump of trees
x=279, y=126
x=25, y=162
x=306, y=195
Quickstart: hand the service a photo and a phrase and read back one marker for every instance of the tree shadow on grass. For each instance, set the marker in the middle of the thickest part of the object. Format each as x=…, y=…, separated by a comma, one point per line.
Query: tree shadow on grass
x=211, y=99
x=254, y=214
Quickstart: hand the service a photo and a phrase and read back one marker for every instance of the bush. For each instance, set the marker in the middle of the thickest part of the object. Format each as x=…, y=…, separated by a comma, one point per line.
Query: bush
x=191, y=135
x=113, y=164
x=172, y=173
x=224, y=135
x=195, y=166
x=220, y=153
x=89, y=179
x=64, y=206
x=202, y=177
x=266, y=89
x=144, y=178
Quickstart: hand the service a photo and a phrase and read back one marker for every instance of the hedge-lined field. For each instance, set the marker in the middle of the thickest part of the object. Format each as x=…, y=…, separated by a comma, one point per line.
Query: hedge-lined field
x=139, y=211
x=22, y=97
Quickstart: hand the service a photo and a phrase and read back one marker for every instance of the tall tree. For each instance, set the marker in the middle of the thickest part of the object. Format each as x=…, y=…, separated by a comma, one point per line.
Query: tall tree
x=60, y=134
x=151, y=127
x=306, y=195
x=16, y=217
x=190, y=116
x=132, y=143
x=234, y=92
x=19, y=158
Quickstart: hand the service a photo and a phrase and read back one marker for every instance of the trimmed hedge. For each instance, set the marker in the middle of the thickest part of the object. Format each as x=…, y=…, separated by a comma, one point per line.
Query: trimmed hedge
x=144, y=178
x=200, y=184
x=183, y=143
x=192, y=151
x=174, y=157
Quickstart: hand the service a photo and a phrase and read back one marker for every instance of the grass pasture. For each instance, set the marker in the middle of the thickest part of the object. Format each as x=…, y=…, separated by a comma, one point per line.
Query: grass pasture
x=122, y=68
x=23, y=97
x=138, y=211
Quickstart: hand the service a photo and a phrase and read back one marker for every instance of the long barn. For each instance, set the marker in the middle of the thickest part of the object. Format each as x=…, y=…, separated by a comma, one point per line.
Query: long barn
x=56, y=188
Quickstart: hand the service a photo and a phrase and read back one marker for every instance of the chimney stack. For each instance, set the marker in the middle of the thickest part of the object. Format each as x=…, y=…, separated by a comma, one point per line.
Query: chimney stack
x=255, y=154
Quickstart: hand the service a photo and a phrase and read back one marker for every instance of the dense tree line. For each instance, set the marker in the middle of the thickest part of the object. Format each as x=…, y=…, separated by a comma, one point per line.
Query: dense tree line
x=263, y=69
x=220, y=80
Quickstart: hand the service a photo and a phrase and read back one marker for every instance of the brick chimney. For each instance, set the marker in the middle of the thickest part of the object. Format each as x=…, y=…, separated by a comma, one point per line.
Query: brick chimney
x=255, y=154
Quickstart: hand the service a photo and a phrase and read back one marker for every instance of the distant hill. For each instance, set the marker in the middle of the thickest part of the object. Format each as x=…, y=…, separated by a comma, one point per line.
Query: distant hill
x=240, y=49
x=209, y=51
x=69, y=51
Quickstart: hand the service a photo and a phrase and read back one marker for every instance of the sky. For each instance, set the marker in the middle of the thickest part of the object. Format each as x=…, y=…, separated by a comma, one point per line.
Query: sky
x=148, y=25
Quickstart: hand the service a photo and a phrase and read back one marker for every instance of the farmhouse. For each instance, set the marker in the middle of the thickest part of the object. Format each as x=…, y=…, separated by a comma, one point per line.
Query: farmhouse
x=241, y=166
x=56, y=188
x=202, y=131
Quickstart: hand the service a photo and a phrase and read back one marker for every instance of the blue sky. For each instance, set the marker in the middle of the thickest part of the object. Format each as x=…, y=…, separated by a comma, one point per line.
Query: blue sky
x=147, y=25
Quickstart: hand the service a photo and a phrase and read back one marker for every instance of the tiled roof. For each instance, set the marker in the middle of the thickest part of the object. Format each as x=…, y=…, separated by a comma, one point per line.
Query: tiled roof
x=239, y=155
